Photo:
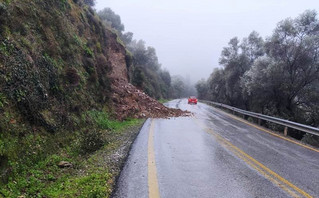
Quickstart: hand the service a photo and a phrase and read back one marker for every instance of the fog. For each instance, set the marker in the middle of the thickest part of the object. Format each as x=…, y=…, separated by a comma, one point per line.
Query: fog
x=189, y=35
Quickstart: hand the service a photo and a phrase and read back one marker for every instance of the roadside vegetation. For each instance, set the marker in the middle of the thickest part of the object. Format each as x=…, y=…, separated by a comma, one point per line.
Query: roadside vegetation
x=163, y=100
x=58, y=132
x=55, y=101
x=277, y=76
x=90, y=170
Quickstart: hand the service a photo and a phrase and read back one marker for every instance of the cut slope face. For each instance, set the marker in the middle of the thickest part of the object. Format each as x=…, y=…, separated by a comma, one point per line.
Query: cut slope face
x=53, y=62
x=58, y=64
x=116, y=55
x=58, y=60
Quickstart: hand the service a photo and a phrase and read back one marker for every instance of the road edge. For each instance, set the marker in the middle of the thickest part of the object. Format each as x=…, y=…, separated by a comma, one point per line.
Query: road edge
x=266, y=130
x=128, y=147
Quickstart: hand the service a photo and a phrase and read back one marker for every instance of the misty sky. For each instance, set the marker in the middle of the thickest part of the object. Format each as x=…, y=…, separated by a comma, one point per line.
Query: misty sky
x=189, y=35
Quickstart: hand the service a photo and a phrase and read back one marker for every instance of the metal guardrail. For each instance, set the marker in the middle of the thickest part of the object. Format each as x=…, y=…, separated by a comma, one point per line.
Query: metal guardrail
x=286, y=123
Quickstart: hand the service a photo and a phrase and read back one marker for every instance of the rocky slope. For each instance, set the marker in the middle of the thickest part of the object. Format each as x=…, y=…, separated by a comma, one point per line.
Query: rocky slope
x=61, y=70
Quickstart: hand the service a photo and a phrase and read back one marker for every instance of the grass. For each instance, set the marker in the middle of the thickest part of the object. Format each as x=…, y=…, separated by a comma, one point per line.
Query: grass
x=28, y=153
x=39, y=176
x=103, y=121
x=163, y=100
x=88, y=51
x=3, y=100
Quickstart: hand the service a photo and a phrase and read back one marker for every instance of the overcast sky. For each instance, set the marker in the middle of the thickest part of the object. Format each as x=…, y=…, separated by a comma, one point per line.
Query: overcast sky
x=189, y=35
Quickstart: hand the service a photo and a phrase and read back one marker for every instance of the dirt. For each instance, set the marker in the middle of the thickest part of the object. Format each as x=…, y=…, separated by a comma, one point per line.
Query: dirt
x=128, y=101
x=134, y=103
x=116, y=55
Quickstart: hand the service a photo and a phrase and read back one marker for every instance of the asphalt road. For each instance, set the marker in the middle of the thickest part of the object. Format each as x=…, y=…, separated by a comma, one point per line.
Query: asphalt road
x=212, y=154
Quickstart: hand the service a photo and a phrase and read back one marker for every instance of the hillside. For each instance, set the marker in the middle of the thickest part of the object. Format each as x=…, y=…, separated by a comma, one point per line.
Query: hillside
x=63, y=81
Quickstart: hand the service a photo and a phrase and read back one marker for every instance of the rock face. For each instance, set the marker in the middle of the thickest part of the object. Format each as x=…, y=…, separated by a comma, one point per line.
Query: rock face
x=64, y=164
x=116, y=55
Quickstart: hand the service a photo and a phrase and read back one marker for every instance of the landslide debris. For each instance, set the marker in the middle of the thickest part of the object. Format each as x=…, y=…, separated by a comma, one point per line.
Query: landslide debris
x=127, y=100
x=132, y=102
x=58, y=64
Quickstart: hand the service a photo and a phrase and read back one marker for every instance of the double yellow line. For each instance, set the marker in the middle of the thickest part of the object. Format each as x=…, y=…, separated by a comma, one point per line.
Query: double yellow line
x=281, y=182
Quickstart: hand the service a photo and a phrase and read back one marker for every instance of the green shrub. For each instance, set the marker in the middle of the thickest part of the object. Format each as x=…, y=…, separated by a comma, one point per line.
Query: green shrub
x=88, y=51
x=3, y=100
x=103, y=121
x=72, y=76
x=91, y=141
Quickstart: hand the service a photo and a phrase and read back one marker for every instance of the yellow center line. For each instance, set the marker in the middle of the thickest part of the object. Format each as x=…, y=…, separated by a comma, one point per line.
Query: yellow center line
x=266, y=175
x=153, y=190
x=281, y=182
x=267, y=131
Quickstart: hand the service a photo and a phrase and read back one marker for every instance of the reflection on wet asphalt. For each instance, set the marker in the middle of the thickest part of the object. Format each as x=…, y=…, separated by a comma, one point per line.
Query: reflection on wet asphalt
x=191, y=161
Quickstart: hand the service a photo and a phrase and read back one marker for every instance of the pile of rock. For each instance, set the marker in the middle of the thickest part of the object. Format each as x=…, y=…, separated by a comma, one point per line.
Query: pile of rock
x=132, y=102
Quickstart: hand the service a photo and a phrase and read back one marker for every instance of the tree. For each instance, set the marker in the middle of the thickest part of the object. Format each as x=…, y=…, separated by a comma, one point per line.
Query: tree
x=90, y=2
x=156, y=82
x=294, y=46
x=261, y=84
x=178, y=87
x=165, y=83
x=202, y=89
x=235, y=65
x=217, y=86
x=127, y=37
x=253, y=46
x=278, y=76
x=112, y=19
x=138, y=78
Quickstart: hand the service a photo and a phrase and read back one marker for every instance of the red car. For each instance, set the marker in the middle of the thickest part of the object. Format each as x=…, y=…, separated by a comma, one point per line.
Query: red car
x=192, y=100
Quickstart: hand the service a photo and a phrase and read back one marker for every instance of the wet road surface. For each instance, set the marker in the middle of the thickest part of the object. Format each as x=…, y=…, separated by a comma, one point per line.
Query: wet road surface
x=211, y=154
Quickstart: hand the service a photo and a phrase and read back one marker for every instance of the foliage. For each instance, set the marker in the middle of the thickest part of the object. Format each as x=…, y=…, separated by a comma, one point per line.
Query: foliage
x=90, y=2
x=72, y=76
x=181, y=87
x=277, y=77
x=53, y=70
x=91, y=141
x=35, y=172
x=146, y=71
x=202, y=89
x=138, y=77
x=88, y=51
x=3, y=100
x=45, y=179
x=127, y=37
x=112, y=19
x=102, y=119
x=178, y=86
x=163, y=100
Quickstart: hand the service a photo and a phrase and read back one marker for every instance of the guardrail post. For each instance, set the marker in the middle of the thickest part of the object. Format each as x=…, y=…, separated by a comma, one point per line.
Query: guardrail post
x=259, y=121
x=286, y=131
